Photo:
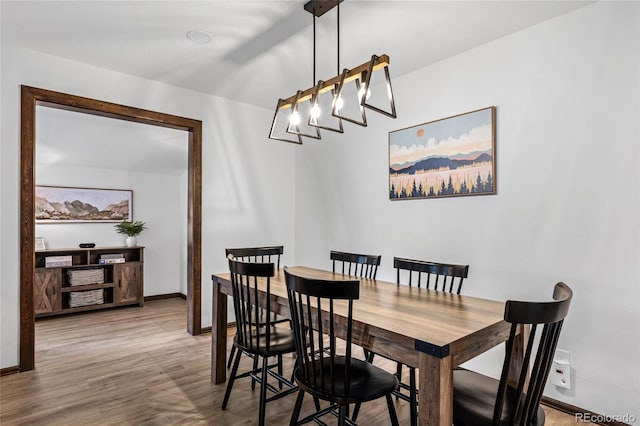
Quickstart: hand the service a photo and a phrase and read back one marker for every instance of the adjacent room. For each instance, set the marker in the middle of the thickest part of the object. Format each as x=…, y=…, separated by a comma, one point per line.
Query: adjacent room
x=344, y=211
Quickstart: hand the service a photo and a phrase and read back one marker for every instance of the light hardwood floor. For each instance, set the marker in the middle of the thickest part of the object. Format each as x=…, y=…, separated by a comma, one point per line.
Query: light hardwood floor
x=133, y=366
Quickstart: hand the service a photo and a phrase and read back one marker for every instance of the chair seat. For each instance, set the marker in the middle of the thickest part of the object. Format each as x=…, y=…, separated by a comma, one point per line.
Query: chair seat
x=367, y=383
x=281, y=342
x=474, y=396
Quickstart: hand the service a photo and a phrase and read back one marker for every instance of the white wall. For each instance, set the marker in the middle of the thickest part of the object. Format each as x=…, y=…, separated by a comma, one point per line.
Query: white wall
x=567, y=207
x=158, y=200
x=247, y=183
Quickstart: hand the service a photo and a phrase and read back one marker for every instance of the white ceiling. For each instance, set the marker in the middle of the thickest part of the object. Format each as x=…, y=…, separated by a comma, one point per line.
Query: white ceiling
x=261, y=49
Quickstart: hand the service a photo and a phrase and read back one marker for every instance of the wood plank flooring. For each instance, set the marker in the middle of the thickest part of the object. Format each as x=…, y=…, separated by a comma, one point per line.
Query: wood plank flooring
x=138, y=366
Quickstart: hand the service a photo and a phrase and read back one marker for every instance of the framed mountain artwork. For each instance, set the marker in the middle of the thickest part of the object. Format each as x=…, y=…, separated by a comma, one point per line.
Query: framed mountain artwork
x=56, y=204
x=450, y=157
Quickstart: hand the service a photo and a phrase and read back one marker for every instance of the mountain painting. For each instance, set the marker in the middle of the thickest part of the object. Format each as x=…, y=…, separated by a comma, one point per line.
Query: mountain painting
x=453, y=156
x=56, y=204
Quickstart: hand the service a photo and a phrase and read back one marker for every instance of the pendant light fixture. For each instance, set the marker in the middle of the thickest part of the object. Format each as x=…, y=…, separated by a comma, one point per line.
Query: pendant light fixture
x=342, y=97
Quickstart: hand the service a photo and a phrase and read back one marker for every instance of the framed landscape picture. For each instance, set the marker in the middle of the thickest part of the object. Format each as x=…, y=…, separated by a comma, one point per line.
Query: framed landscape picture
x=453, y=156
x=56, y=204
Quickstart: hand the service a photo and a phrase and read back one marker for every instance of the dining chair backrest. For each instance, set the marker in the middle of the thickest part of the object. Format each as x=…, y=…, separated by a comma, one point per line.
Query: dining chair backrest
x=546, y=319
x=359, y=265
x=444, y=276
x=253, y=330
x=314, y=306
x=257, y=254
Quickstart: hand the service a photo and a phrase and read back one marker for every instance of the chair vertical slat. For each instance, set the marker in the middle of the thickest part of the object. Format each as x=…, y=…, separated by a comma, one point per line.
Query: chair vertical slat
x=502, y=387
x=347, y=376
x=267, y=309
x=321, y=332
x=312, y=343
x=307, y=337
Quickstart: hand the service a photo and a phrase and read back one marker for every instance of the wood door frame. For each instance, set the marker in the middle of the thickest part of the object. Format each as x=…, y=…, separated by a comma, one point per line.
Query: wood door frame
x=30, y=98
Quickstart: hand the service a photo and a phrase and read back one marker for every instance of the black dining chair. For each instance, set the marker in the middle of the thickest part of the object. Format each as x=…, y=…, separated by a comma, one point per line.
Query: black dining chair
x=358, y=265
x=255, y=335
x=325, y=307
x=480, y=400
x=445, y=277
x=267, y=254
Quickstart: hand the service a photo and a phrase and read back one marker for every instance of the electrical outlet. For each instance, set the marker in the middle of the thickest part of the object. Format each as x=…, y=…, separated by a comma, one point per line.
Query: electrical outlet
x=561, y=369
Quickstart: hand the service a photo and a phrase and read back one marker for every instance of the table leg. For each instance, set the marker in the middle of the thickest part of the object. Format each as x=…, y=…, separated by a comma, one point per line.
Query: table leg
x=218, y=335
x=435, y=389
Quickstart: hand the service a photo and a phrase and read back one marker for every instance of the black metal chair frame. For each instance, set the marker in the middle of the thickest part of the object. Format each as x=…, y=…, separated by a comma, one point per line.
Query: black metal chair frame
x=359, y=265
x=520, y=404
x=322, y=371
x=255, y=335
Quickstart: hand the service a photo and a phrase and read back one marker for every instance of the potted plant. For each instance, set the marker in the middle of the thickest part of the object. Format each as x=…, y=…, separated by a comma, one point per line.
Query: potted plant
x=131, y=230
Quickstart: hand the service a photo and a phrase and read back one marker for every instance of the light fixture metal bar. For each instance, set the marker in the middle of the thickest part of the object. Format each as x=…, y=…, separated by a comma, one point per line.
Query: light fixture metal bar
x=352, y=74
x=320, y=7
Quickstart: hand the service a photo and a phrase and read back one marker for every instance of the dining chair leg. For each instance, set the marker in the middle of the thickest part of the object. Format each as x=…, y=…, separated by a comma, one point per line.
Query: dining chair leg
x=392, y=411
x=356, y=410
x=255, y=366
x=280, y=370
x=232, y=378
x=342, y=417
x=231, y=355
x=296, y=409
x=413, y=400
x=399, y=371
x=370, y=357
x=263, y=390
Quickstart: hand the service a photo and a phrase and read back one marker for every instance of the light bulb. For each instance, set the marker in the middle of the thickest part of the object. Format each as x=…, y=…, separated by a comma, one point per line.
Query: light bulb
x=339, y=103
x=294, y=119
x=361, y=92
x=315, y=111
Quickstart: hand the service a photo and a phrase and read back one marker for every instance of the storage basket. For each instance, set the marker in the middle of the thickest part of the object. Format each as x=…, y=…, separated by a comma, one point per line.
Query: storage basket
x=85, y=276
x=86, y=298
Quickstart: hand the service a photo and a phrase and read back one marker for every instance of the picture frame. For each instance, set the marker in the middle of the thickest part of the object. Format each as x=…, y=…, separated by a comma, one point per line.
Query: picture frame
x=61, y=204
x=449, y=157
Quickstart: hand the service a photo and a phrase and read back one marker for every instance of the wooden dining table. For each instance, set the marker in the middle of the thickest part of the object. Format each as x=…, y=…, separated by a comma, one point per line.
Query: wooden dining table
x=430, y=330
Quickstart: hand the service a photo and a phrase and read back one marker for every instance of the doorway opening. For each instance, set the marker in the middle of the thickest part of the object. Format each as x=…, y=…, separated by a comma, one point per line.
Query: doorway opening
x=33, y=97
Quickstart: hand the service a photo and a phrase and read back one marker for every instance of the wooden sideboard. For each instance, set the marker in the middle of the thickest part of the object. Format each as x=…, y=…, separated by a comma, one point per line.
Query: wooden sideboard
x=87, y=284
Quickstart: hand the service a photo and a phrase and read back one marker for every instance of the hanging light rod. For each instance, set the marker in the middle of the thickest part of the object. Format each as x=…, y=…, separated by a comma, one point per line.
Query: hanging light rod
x=381, y=62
